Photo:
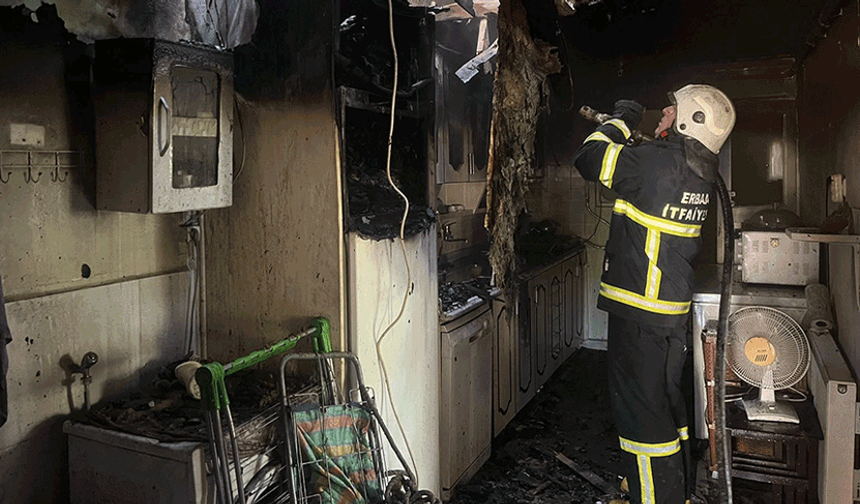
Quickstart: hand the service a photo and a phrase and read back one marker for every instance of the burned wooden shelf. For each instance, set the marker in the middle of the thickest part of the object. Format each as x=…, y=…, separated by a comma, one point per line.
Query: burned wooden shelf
x=375, y=102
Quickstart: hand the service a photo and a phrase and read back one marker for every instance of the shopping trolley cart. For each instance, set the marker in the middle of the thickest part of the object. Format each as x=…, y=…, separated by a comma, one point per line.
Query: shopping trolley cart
x=213, y=391
x=332, y=447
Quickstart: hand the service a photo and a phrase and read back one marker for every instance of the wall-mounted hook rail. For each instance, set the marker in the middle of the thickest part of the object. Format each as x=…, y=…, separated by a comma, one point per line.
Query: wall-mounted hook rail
x=34, y=163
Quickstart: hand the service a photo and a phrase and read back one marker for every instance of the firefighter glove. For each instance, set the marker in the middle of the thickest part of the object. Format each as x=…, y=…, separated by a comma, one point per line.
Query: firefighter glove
x=628, y=111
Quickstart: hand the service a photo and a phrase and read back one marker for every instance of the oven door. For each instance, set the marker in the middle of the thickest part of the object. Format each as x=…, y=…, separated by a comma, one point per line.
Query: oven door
x=467, y=388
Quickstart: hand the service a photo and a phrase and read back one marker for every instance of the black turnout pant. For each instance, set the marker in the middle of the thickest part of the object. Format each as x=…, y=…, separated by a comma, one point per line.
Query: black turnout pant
x=645, y=371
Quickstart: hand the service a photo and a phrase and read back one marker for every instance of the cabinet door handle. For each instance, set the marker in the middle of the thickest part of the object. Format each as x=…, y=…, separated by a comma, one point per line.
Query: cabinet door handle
x=163, y=146
x=475, y=337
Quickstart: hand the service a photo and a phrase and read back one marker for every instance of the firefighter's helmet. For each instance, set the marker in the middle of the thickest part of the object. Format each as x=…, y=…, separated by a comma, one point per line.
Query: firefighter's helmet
x=705, y=113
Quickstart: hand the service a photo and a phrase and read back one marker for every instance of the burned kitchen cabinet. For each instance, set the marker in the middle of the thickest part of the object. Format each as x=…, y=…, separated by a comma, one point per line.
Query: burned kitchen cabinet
x=466, y=411
x=451, y=130
x=552, y=321
x=372, y=206
x=546, y=304
x=164, y=126
x=547, y=307
x=463, y=130
x=504, y=363
x=539, y=317
x=463, y=109
x=526, y=349
x=573, y=280
x=364, y=77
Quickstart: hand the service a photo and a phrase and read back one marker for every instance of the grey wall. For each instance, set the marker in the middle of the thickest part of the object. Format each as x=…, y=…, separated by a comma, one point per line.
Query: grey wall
x=129, y=309
x=135, y=327
x=275, y=259
x=829, y=124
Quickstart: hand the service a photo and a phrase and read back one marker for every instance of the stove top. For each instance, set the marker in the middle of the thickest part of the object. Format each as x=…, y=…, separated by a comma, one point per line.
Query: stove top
x=457, y=298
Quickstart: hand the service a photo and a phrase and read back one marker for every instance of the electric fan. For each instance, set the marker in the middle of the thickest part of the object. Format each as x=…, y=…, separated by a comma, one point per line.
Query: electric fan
x=767, y=349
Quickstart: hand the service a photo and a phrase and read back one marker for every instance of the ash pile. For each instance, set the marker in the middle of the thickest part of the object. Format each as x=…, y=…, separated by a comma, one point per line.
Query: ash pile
x=164, y=411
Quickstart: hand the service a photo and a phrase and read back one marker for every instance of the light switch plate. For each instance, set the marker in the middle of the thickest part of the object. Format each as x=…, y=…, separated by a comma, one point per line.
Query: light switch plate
x=30, y=135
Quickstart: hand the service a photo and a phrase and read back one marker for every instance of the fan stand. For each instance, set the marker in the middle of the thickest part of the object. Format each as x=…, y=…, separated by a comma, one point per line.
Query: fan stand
x=766, y=408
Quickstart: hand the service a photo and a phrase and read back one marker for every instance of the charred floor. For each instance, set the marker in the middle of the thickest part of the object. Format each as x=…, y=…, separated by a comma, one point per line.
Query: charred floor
x=563, y=447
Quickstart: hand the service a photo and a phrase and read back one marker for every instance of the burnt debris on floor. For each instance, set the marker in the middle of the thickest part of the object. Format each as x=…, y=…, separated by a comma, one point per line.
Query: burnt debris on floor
x=567, y=421
x=563, y=447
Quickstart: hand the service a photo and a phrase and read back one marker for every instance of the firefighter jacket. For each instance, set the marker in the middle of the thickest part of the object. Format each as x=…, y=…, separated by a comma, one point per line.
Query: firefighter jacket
x=656, y=222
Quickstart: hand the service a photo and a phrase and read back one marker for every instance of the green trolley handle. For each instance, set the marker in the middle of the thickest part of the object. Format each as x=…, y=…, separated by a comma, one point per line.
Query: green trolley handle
x=210, y=377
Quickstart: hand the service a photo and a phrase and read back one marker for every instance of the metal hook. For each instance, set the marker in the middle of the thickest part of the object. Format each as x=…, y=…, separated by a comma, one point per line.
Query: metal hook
x=29, y=175
x=9, y=176
x=55, y=175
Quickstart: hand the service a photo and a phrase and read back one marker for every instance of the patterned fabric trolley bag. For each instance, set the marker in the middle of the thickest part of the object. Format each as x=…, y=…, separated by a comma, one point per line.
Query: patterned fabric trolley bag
x=337, y=454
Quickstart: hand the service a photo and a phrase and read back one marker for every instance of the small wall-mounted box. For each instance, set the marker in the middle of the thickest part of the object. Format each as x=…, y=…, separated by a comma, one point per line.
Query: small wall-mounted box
x=164, y=126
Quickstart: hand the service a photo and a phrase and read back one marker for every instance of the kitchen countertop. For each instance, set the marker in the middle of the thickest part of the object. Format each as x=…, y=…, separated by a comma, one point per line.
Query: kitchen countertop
x=706, y=289
x=529, y=271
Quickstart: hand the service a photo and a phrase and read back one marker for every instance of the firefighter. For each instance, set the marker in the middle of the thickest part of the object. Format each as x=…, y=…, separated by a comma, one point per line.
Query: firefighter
x=664, y=191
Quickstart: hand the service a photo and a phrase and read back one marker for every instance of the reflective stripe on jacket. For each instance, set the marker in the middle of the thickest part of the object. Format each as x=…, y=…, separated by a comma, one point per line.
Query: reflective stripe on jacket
x=656, y=223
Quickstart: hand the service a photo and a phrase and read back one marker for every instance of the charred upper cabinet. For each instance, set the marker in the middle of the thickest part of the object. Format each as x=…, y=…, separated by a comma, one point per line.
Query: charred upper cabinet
x=463, y=109
x=364, y=75
x=164, y=126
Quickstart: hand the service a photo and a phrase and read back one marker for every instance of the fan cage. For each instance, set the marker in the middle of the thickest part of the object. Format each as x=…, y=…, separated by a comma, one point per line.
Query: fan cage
x=783, y=333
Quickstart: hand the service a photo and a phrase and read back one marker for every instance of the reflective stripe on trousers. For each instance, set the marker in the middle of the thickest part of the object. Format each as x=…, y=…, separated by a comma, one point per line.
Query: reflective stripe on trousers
x=645, y=368
x=644, y=452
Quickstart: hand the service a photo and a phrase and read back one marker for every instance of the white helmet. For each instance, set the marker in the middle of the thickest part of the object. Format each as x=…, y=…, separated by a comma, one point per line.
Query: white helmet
x=705, y=113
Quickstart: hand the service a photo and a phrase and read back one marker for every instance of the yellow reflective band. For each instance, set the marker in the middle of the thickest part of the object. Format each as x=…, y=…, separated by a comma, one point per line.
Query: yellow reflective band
x=599, y=137
x=618, y=123
x=646, y=479
x=644, y=452
x=652, y=250
x=639, y=301
x=684, y=433
x=650, y=449
x=610, y=159
x=651, y=222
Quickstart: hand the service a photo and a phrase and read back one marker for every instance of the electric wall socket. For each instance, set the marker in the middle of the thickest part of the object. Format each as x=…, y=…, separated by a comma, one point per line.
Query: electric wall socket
x=30, y=135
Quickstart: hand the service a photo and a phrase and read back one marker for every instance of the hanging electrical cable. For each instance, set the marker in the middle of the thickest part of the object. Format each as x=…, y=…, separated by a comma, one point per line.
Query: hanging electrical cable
x=598, y=218
x=402, y=245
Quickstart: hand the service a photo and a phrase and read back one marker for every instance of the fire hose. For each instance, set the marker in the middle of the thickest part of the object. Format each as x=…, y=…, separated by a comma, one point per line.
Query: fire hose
x=722, y=487
x=592, y=115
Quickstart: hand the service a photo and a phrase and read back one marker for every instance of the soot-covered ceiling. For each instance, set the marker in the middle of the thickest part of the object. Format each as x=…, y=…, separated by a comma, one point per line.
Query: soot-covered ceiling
x=684, y=32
